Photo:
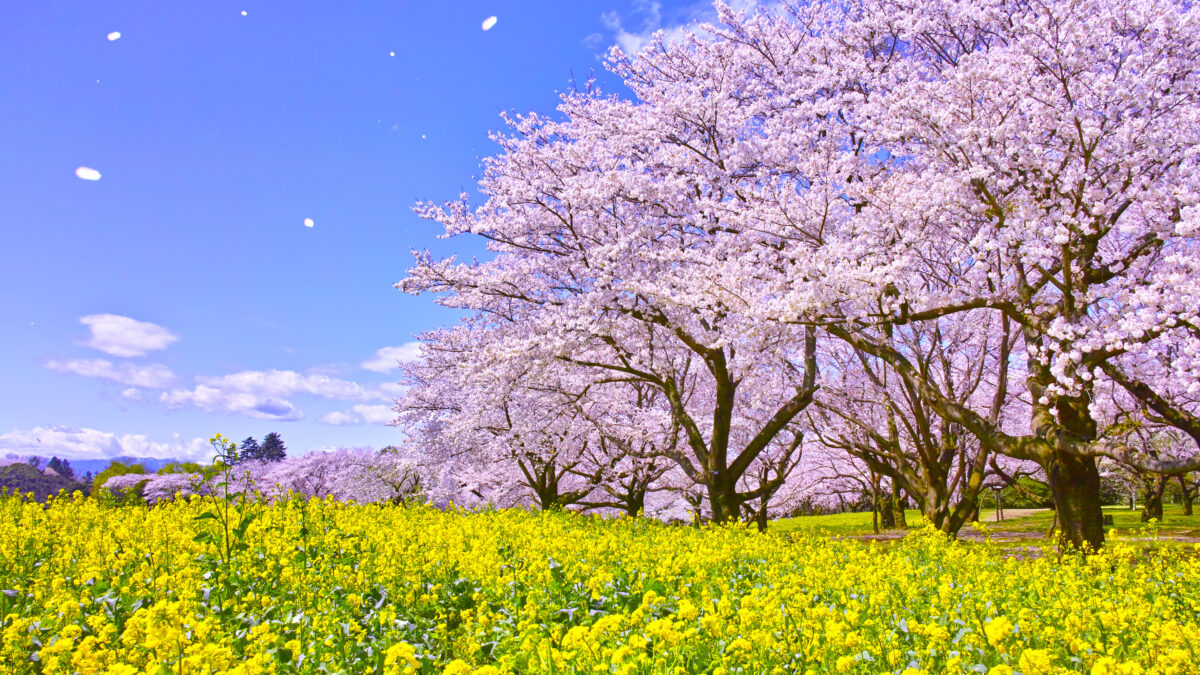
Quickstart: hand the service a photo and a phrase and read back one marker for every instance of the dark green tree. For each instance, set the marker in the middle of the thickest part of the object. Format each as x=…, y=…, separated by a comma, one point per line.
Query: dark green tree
x=272, y=448
x=62, y=467
x=249, y=451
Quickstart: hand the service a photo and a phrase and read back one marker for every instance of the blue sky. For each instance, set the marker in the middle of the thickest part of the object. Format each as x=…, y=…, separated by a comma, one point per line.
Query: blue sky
x=181, y=294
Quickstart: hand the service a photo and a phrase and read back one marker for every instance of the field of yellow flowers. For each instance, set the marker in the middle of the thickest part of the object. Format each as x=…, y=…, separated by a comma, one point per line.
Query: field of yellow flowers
x=201, y=585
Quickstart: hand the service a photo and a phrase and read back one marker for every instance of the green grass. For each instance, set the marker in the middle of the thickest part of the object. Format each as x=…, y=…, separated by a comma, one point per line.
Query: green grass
x=1124, y=520
x=837, y=523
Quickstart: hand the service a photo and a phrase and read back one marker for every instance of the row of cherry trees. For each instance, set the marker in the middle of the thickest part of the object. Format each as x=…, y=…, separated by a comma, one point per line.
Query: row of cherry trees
x=363, y=475
x=935, y=241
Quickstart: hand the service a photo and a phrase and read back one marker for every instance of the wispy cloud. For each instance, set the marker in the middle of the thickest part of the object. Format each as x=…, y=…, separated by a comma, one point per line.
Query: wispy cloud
x=390, y=358
x=85, y=443
x=125, y=337
x=359, y=414
x=211, y=399
x=375, y=414
x=288, y=382
x=265, y=394
x=153, y=375
x=339, y=418
x=635, y=30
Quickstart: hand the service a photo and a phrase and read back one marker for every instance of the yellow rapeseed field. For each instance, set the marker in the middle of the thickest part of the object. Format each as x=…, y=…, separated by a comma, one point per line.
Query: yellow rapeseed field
x=201, y=585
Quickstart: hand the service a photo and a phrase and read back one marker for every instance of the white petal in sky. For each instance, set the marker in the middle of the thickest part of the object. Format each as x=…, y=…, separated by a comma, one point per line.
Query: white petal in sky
x=243, y=12
x=489, y=22
x=391, y=53
x=308, y=222
x=115, y=35
x=87, y=173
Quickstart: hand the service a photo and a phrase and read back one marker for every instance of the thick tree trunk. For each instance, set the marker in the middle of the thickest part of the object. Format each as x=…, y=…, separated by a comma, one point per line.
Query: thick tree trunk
x=1186, y=496
x=1075, y=485
x=887, y=514
x=723, y=500
x=635, y=501
x=897, y=505
x=1152, y=505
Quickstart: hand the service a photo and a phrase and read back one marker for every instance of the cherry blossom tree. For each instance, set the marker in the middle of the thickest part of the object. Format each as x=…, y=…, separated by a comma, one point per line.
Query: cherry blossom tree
x=607, y=227
x=1031, y=160
x=863, y=174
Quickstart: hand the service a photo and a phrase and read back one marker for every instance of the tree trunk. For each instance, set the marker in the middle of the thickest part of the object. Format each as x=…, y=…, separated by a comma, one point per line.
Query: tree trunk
x=1152, y=507
x=635, y=501
x=1186, y=496
x=897, y=506
x=1075, y=485
x=887, y=515
x=875, y=502
x=723, y=499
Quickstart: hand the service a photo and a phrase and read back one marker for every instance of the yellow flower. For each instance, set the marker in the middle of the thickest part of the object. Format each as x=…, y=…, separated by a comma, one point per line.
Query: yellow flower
x=401, y=659
x=1034, y=662
x=687, y=611
x=997, y=630
x=457, y=667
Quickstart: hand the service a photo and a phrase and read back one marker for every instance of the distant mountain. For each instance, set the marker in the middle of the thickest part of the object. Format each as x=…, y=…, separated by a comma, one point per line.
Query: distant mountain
x=82, y=466
x=23, y=478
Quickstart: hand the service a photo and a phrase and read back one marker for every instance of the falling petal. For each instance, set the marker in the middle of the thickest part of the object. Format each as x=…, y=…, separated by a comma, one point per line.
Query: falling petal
x=87, y=173
x=391, y=53
x=243, y=12
x=115, y=35
x=489, y=22
x=308, y=222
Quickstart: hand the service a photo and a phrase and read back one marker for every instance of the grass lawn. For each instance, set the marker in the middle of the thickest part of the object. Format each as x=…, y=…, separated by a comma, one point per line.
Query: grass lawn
x=1124, y=520
x=1174, y=523
x=837, y=523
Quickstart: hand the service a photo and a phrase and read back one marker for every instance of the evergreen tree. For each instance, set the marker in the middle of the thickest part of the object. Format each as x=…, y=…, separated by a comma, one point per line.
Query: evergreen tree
x=249, y=451
x=272, y=449
x=62, y=467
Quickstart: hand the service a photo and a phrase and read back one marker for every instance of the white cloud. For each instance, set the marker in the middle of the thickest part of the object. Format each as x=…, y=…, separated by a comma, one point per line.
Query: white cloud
x=359, y=414
x=86, y=172
x=288, y=382
x=264, y=394
x=211, y=399
x=123, y=336
x=339, y=418
x=153, y=376
x=85, y=443
x=132, y=393
x=390, y=358
x=375, y=414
